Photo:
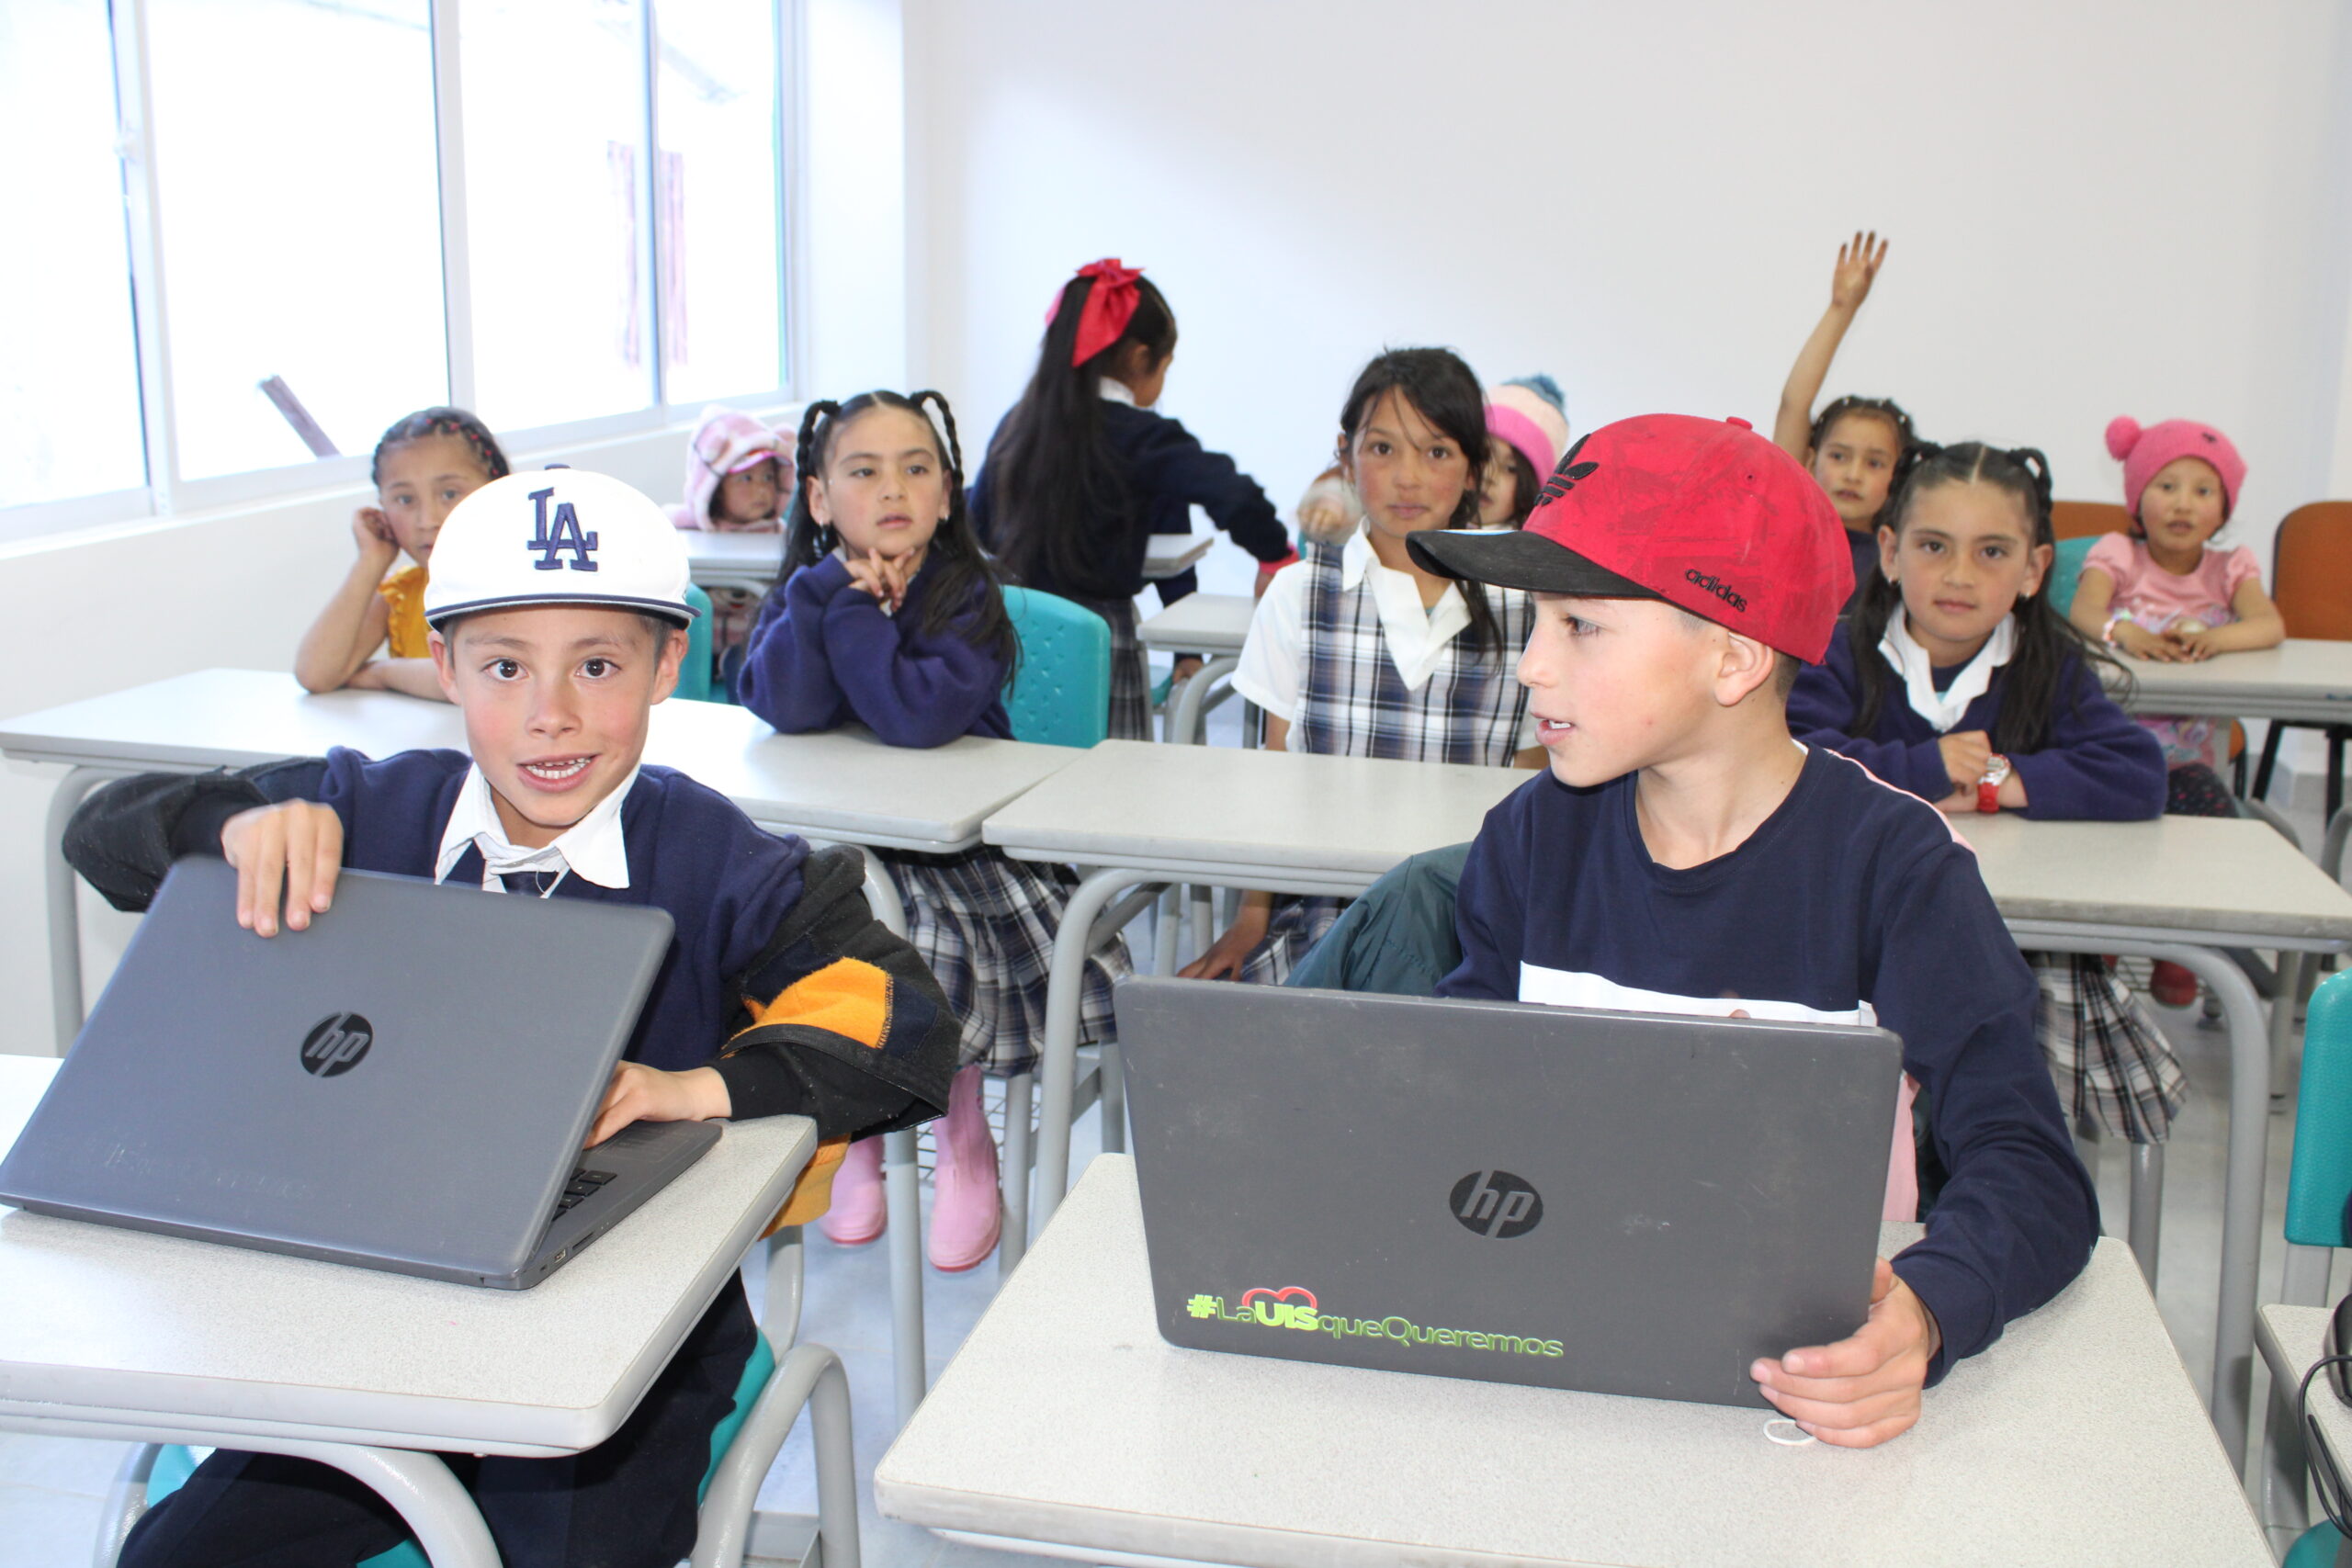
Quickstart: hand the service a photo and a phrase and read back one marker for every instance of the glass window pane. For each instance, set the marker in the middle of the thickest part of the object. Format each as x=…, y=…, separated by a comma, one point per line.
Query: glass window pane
x=555, y=208
x=721, y=274
x=301, y=221
x=69, y=359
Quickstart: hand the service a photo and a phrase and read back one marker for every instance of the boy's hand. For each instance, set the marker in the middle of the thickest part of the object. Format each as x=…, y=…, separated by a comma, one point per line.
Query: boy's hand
x=1859, y=1391
x=1966, y=755
x=294, y=850
x=1858, y=263
x=374, y=535
x=639, y=1093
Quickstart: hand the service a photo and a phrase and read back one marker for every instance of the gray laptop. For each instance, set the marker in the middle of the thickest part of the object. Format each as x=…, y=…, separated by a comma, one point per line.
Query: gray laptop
x=1618, y=1202
x=404, y=1086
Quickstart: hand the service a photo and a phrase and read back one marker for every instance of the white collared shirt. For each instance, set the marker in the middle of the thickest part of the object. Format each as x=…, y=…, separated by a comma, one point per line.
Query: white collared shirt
x=592, y=847
x=1273, y=658
x=1115, y=391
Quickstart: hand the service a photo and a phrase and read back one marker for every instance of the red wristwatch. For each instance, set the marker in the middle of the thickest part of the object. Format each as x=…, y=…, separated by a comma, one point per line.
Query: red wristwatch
x=1988, y=788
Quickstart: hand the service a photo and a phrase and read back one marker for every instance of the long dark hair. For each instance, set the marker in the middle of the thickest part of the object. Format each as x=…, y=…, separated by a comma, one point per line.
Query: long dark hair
x=439, y=422
x=2041, y=673
x=1441, y=390
x=1055, y=488
x=966, y=597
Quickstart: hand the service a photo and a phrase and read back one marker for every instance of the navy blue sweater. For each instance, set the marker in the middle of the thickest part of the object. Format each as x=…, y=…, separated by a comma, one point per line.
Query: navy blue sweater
x=1850, y=893
x=1166, y=473
x=2097, y=765
x=822, y=653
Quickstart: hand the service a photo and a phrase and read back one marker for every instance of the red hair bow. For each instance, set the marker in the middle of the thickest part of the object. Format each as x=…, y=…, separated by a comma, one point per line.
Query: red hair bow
x=1110, y=306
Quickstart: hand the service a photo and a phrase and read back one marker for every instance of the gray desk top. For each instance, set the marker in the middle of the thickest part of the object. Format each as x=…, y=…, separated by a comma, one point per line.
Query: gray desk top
x=2299, y=1334
x=120, y=1331
x=1199, y=622
x=2301, y=677
x=1065, y=1418
x=1335, y=821
x=732, y=561
x=844, y=785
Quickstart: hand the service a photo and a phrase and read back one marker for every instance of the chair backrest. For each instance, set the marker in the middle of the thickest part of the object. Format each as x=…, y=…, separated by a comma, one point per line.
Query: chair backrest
x=2311, y=572
x=2319, y=1178
x=2066, y=570
x=694, y=675
x=1061, y=694
x=2088, y=519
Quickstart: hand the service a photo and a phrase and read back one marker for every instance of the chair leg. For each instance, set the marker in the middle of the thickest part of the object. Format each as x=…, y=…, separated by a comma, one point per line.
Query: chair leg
x=2147, y=1207
x=2336, y=736
x=1020, y=1156
x=126, y=1500
x=1111, y=1093
x=2269, y=759
x=808, y=1375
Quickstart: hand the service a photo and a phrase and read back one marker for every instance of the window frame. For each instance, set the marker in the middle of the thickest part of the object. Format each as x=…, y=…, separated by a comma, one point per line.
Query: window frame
x=167, y=494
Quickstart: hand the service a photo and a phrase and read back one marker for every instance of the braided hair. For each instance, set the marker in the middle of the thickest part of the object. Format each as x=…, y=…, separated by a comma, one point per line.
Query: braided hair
x=2045, y=670
x=966, y=597
x=426, y=423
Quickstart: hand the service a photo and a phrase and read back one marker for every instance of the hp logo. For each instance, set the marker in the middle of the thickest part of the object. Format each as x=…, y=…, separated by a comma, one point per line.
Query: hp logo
x=335, y=1044
x=1496, y=1203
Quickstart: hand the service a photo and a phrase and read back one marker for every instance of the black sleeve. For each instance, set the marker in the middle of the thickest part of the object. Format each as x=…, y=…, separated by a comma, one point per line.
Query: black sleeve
x=839, y=1018
x=1169, y=462
x=126, y=835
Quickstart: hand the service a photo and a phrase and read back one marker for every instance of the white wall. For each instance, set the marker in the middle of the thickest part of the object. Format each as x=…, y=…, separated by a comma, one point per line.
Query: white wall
x=2096, y=209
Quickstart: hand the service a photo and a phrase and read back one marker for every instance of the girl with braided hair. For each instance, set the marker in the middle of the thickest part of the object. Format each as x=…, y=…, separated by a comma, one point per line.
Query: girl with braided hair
x=1852, y=446
x=892, y=616
x=1954, y=679
x=425, y=464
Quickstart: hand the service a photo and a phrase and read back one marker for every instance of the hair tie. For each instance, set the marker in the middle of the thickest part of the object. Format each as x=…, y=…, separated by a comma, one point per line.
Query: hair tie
x=1110, y=306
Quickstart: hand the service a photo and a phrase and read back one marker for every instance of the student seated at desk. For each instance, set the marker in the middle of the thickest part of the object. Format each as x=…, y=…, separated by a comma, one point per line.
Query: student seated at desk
x=739, y=478
x=892, y=617
x=423, y=466
x=1686, y=854
x=1955, y=680
x=781, y=994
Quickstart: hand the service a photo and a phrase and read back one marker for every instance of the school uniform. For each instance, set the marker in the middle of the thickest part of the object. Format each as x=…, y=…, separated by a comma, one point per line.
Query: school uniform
x=1164, y=472
x=824, y=654
x=762, y=929
x=2097, y=765
x=1853, y=902
x=1342, y=649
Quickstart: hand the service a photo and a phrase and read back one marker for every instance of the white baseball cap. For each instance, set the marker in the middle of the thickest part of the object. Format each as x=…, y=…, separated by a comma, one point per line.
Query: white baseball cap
x=557, y=536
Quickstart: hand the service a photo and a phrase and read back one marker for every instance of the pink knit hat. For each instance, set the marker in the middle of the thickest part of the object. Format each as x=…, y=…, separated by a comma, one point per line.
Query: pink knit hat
x=2143, y=452
x=727, y=442
x=1529, y=412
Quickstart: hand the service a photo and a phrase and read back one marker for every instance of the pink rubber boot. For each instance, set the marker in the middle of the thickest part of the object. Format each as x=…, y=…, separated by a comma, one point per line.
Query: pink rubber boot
x=967, y=1211
x=859, y=1210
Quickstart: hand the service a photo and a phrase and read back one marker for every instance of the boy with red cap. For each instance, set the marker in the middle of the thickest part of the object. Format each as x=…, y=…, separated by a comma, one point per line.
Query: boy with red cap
x=1685, y=854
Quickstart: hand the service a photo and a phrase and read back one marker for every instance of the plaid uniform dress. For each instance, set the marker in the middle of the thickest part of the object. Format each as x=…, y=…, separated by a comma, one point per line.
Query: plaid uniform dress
x=985, y=925
x=2119, y=1069
x=1130, y=678
x=1351, y=703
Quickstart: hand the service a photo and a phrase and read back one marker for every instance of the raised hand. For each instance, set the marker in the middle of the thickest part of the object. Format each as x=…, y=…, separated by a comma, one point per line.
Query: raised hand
x=1858, y=263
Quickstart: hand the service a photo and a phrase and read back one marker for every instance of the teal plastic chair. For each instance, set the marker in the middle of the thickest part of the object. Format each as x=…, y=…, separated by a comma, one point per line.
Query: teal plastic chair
x=1061, y=695
x=2066, y=571
x=694, y=675
x=2318, y=1183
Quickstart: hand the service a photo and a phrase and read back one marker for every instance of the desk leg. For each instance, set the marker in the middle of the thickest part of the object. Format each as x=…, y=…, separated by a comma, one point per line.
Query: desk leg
x=902, y=1193
x=64, y=907
x=1019, y=1163
x=2147, y=1207
x=439, y=1514
x=2282, y=1020
x=1188, y=705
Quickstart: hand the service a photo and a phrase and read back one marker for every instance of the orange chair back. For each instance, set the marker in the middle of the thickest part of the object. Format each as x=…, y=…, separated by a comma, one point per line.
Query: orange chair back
x=2085, y=519
x=2312, y=570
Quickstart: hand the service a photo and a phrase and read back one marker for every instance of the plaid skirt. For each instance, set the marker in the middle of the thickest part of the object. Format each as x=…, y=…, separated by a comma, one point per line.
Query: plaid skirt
x=1298, y=924
x=2101, y=1040
x=1130, y=676
x=985, y=924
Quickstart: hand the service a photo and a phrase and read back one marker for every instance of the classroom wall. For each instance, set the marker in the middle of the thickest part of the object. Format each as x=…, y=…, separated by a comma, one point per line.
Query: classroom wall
x=2096, y=209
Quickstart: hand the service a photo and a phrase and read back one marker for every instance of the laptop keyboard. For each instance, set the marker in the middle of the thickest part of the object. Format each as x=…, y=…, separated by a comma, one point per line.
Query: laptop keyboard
x=583, y=1183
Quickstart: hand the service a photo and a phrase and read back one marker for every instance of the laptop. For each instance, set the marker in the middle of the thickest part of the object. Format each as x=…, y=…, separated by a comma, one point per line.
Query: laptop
x=1616, y=1203
x=404, y=1086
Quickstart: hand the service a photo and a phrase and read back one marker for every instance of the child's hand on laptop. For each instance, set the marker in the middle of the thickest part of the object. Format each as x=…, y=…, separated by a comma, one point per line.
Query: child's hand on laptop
x=1859, y=1391
x=293, y=848
x=639, y=1093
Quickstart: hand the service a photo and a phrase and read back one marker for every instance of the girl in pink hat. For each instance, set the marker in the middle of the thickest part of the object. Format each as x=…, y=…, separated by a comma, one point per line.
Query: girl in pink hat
x=739, y=480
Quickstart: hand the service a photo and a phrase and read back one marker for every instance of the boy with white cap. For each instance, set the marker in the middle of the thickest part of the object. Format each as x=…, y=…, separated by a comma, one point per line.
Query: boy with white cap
x=557, y=613
x=1685, y=854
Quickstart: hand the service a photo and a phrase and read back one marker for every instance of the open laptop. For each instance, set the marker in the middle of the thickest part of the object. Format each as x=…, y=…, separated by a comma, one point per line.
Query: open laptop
x=1617, y=1203
x=403, y=1086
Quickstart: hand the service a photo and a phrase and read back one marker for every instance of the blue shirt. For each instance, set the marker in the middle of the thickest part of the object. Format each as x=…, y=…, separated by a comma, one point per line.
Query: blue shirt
x=1850, y=893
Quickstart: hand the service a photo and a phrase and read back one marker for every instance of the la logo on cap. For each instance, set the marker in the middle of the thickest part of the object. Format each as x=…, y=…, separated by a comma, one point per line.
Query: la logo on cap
x=559, y=536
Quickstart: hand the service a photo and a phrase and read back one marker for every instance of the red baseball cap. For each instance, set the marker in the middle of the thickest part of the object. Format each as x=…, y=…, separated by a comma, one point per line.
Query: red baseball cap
x=1708, y=516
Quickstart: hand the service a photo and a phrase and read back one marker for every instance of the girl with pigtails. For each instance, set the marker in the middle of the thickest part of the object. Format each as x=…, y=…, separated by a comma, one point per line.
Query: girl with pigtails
x=892, y=616
x=1954, y=679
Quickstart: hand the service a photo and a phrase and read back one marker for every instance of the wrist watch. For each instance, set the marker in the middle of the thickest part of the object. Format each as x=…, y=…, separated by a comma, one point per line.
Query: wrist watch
x=1988, y=788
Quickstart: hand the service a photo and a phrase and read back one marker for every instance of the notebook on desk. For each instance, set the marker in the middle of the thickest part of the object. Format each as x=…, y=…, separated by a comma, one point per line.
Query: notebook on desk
x=403, y=1086
x=1615, y=1202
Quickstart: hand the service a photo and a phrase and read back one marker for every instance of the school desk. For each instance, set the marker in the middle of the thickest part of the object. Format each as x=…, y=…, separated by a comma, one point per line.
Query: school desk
x=2291, y=1339
x=843, y=787
x=749, y=561
x=118, y=1335
x=1213, y=625
x=2304, y=679
x=2183, y=888
x=1066, y=1425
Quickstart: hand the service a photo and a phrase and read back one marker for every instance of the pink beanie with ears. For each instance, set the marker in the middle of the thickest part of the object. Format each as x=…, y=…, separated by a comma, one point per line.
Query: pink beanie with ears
x=2143, y=452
